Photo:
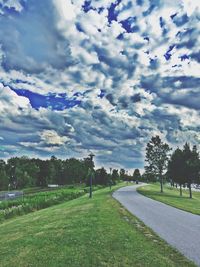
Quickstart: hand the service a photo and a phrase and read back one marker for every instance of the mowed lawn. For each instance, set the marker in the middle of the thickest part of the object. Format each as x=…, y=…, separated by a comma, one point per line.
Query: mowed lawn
x=171, y=196
x=84, y=233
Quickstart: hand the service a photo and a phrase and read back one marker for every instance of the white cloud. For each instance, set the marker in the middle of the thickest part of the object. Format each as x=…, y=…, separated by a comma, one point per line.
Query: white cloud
x=8, y=99
x=118, y=125
x=190, y=6
x=12, y=4
x=65, y=9
x=50, y=137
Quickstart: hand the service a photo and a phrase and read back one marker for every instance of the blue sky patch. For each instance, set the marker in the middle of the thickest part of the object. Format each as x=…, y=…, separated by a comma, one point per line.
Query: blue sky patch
x=102, y=94
x=130, y=24
x=168, y=55
x=112, y=13
x=52, y=101
x=86, y=6
x=173, y=16
x=162, y=23
x=184, y=57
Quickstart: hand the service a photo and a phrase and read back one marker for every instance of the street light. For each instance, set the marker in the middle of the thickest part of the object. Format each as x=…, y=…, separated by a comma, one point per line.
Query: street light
x=110, y=182
x=12, y=174
x=91, y=159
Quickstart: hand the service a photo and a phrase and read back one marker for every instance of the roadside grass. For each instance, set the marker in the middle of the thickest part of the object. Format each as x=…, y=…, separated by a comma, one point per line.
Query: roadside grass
x=33, y=190
x=37, y=189
x=84, y=232
x=40, y=200
x=171, y=196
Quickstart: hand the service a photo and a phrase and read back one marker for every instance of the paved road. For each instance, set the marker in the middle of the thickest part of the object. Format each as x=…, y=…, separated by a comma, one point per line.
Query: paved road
x=179, y=228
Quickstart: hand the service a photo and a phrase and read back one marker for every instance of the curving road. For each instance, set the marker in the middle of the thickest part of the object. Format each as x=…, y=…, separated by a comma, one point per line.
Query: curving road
x=179, y=228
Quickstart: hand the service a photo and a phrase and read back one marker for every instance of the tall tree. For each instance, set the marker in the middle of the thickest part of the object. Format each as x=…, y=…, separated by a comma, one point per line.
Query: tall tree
x=89, y=163
x=115, y=176
x=148, y=176
x=136, y=175
x=157, y=155
x=101, y=176
x=176, y=168
x=122, y=174
x=191, y=165
x=4, y=179
x=196, y=165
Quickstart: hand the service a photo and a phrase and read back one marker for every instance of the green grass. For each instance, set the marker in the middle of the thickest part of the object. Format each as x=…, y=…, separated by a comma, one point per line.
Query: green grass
x=84, y=233
x=33, y=190
x=171, y=196
x=40, y=200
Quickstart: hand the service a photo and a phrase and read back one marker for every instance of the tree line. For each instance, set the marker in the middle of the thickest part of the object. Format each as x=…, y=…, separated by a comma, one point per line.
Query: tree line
x=182, y=166
x=22, y=172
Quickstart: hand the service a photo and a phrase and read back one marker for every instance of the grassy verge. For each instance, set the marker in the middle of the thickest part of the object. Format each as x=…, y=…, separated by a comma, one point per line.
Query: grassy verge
x=36, y=201
x=84, y=233
x=33, y=190
x=171, y=196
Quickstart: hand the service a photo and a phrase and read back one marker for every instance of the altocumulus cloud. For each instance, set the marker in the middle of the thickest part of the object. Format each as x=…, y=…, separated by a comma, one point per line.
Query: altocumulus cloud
x=101, y=76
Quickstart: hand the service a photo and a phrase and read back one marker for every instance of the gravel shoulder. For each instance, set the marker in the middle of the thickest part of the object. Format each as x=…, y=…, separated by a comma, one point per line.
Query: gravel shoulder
x=179, y=228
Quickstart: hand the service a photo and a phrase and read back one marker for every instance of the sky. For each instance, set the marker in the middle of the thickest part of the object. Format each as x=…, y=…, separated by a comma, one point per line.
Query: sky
x=100, y=76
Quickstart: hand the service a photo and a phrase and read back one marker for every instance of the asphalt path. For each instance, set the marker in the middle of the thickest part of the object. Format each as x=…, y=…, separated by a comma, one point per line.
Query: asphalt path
x=179, y=228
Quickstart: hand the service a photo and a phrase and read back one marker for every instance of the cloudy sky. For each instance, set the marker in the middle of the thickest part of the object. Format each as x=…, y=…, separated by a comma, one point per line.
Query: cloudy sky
x=102, y=76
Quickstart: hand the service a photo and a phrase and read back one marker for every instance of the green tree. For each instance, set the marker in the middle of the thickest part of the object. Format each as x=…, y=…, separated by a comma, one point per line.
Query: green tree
x=11, y=171
x=4, y=179
x=157, y=155
x=43, y=172
x=115, y=176
x=122, y=174
x=136, y=175
x=89, y=163
x=195, y=165
x=22, y=171
x=101, y=176
x=148, y=176
x=176, y=168
x=191, y=165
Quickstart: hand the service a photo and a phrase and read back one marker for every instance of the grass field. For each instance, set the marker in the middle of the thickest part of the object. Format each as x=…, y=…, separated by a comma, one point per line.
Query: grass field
x=30, y=202
x=171, y=196
x=83, y=233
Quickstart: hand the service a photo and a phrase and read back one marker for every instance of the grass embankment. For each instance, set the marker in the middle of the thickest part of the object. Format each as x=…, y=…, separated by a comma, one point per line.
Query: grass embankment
x=171, y=196
x=83, y=233
x=30, y=202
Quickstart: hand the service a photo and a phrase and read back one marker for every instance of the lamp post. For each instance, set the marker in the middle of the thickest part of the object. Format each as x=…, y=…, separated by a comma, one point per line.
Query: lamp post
x=12, y=174
x=91, y=159
x=110, y=182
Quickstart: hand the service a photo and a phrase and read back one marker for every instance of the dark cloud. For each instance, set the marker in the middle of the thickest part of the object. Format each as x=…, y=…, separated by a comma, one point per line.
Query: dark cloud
x=181, y=90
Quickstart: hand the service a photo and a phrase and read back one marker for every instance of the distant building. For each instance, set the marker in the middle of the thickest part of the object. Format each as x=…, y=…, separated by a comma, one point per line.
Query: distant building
x=53, y=185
